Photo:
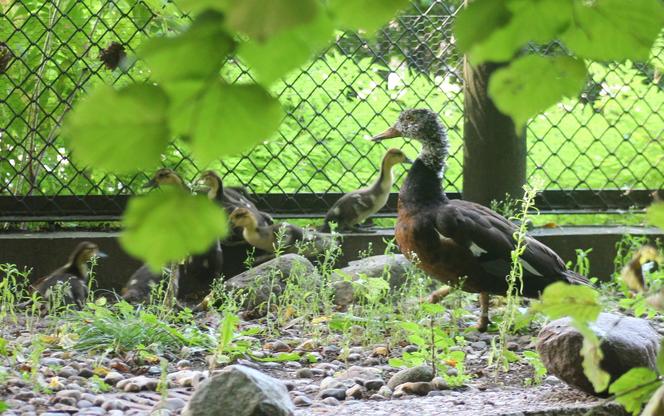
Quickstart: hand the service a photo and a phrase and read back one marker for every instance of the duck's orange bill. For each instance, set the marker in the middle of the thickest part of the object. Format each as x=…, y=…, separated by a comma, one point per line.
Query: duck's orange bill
x=387, y=134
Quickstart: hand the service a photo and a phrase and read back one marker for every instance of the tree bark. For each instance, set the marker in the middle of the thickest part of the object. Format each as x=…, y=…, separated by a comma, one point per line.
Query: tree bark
x=494, y=154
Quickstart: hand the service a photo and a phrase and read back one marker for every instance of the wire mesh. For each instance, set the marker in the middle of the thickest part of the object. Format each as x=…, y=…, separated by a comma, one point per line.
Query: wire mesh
x=602, y=151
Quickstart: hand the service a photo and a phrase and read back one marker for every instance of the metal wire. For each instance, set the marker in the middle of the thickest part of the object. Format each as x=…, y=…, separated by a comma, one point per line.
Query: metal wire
x=602, y=152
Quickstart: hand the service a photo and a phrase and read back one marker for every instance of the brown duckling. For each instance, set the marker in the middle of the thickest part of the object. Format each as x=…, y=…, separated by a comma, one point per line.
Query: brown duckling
x=645, y=260
x=231, y=198
x=74, y=273
x=355, y=207
x=165, y=176
x=455, y=238
x=141, y=283
x=293, y=238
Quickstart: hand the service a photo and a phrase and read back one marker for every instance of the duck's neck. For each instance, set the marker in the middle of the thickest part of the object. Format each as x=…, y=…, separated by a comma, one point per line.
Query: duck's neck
x=216, y=192
x=424, y=182
x=79, y=268
x=384, y=181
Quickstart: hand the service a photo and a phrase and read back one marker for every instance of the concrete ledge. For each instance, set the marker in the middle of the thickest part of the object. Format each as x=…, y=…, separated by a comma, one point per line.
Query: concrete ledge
x=43, y=252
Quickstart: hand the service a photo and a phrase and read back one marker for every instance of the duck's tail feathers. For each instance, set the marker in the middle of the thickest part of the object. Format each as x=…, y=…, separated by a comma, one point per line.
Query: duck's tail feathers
x=576, y=278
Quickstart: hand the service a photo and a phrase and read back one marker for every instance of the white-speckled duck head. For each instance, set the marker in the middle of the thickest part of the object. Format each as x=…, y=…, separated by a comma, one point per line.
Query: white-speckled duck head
x=420, y=124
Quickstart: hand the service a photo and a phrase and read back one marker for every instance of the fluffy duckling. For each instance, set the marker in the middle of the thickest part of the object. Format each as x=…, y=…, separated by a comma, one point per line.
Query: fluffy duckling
x=231, y=198
x=645, y=260
x=165, y=176
x=74, y=273
x=355, y=207
x=266, y=237
x=142, y=281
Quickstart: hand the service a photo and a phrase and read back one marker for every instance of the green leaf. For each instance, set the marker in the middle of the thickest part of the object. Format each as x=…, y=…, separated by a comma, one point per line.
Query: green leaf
x=477, y=22
x=655, y=406
x=119, y=131
x=196, y=53
x=660, y=358
x=262, y=19
x=561, y=299
x=168, y=224
x=655, y=214
x=531, y=84
x=3, y=406
x=492, y=30
x=221, y=119
x=286, y=50
x=607, y=30
x=592, y=354
x=634, y=388
x=367, y=15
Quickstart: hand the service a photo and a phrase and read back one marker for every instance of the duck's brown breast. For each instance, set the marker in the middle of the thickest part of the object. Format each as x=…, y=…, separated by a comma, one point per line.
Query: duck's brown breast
x=436, y=254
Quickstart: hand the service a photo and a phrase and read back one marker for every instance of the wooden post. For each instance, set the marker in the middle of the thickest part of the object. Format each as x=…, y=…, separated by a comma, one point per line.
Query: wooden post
x=494, y=154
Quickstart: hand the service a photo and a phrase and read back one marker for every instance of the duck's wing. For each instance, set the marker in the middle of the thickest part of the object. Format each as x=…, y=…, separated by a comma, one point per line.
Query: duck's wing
x=349, y=207
x=490, y=238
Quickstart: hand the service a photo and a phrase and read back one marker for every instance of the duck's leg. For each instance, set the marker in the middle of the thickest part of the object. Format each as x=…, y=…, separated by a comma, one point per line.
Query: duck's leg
x=483, y=323
x=439, y=294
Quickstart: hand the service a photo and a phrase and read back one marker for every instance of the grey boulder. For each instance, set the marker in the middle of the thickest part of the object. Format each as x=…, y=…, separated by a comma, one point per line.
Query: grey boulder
x=626, y=343
x=240, y=391
x=271, y=277
x=393, y=266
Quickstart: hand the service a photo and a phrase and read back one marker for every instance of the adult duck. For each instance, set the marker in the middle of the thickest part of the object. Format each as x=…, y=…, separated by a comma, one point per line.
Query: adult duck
x=74, y=274
x=456, y=241
x=355, y=207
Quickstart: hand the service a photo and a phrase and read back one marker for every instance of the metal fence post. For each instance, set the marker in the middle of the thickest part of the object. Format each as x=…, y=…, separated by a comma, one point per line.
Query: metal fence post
x=494, y=154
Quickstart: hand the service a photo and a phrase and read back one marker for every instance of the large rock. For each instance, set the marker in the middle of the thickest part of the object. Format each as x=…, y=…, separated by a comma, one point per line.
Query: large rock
x=411, y=375
x=396, y=266
x=271, y=277
x=626, y=343
x=240, y=391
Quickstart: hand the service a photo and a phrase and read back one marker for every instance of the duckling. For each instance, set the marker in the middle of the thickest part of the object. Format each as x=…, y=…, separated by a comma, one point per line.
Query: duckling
x=165, y=176
x=456, y=238
x=74, y=273
x=142, y=281
x=293, y=238
x=231, y=198
x=645, y=260
x=355, y=207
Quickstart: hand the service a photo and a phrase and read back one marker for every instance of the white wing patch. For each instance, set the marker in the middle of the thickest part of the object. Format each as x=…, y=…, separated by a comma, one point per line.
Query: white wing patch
x=477, y=250
x=442, y=237
x=530, y=268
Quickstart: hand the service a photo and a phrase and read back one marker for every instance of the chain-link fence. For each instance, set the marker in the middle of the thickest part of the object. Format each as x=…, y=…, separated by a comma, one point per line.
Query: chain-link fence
x=600, y=152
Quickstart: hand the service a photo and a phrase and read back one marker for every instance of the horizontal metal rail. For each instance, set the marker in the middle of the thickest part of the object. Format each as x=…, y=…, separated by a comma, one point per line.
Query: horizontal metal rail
x=303, y=205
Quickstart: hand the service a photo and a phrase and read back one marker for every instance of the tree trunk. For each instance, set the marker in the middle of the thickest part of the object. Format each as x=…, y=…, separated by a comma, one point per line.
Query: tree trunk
x=494, y=154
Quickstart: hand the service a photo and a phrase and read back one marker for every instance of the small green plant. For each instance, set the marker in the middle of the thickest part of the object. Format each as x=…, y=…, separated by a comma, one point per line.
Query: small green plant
x=162, y=387
x=435, y=347
x=98, y=385
x=499, y=353
x=123, y=327
x=539, y=370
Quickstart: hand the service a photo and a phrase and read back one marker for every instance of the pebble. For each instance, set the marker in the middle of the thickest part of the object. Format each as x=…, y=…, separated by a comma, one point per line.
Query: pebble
x=356, y=392
x=513, y=346
x=353, y=357
x=377, y=397
x=113, y=378
x=83, y=404
x=385, y=391
x=421, y=388
x=439, y=383
x=66, y=372
x=52, y=362
x=302, y=401
x=280, y=346
x=74, y=394
x=478, y=345
x=337, y=393
x=452, y=372
x=411, y=348
x=304, y=373
x=330, y=401
x=414, y=374
x=24, y=395
x=374, y=384
x=86, y=373
x=183, y=364
x=113, y=405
